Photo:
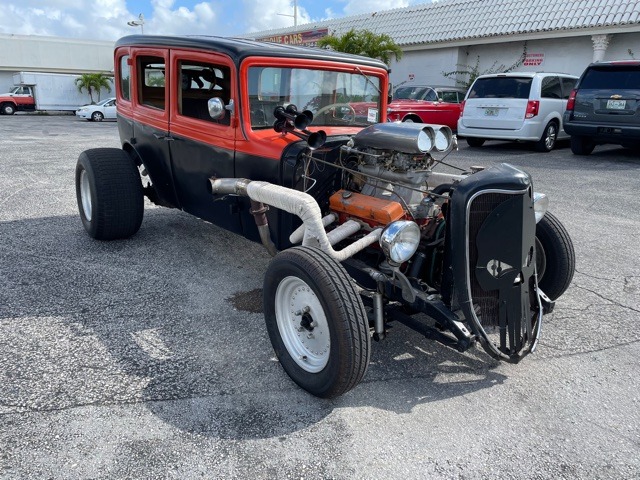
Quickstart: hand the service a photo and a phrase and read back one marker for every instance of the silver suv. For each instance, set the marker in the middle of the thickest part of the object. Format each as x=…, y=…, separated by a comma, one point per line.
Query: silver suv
x=605, y=107
x=524, y=106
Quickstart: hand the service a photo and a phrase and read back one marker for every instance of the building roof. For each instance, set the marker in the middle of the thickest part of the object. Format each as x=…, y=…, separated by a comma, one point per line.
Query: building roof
x=456, y=20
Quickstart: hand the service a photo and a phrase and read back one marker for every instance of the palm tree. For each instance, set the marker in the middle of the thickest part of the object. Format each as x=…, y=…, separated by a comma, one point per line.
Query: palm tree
x=363, y=42
x=93, y=82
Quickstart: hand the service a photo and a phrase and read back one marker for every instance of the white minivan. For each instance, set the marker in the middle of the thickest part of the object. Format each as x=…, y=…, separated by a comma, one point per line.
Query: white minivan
x=524, y=106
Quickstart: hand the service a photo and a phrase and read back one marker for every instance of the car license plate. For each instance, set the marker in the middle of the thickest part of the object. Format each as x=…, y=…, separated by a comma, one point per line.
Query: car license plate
x=490, y=112
x=616, y=104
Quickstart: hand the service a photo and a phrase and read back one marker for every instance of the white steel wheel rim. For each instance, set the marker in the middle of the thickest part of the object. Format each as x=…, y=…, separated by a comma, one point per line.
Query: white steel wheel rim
x=302, y=324
x=85, y=195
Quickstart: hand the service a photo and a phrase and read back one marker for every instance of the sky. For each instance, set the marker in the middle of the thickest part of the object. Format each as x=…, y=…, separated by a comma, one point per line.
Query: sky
x=107, y=19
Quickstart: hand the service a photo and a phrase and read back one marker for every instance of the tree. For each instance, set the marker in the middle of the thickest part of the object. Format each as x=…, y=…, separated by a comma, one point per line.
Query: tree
x=470, y=73
x=363, y=42
x=94, y=82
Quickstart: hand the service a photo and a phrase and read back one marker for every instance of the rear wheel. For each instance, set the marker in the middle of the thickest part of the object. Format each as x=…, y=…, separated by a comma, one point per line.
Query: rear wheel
x=581, y=145
x=8, y=109
x=475, y=142
x=109, y=193
x=555, y=256
x=411, y=119
x=548, y=139
x=316, y=321
x=97, y=116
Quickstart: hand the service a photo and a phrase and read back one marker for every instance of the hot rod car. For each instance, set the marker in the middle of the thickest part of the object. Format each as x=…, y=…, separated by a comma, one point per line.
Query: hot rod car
x=265, y=140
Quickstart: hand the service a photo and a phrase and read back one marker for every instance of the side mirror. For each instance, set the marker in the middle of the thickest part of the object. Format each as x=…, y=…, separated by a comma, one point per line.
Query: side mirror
x=216, y=108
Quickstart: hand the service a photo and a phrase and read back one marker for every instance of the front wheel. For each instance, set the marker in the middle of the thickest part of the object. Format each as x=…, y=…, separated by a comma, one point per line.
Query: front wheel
x=97, y=116
x=555, y=256
x=8, y=109
x=109, y=193
x=316, y=321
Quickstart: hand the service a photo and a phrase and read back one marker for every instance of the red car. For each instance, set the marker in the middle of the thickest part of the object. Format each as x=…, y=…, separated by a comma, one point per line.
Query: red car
x=423, y=104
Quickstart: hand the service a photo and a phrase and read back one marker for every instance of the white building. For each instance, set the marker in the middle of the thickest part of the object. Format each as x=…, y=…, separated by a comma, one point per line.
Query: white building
x=449, y=35
x=52, y=54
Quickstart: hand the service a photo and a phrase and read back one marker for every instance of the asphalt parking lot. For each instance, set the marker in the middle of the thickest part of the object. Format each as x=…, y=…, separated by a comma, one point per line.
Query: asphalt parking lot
x=148, y=358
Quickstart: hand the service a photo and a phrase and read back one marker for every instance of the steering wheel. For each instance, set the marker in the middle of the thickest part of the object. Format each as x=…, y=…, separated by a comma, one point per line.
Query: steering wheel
x=326, y=108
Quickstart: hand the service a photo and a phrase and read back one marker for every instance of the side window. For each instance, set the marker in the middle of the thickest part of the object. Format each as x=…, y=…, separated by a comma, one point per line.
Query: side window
x=450, y=97
x=551, y=87
x=431, y=96
x=125, y=76
x=198, y=83
x=568, y=84
x=151, y=82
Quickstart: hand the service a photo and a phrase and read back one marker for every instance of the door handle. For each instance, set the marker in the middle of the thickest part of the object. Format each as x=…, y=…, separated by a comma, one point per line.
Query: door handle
x=167, y=138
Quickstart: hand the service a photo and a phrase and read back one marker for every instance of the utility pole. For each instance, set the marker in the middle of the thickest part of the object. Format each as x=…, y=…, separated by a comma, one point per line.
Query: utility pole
x=295, y=13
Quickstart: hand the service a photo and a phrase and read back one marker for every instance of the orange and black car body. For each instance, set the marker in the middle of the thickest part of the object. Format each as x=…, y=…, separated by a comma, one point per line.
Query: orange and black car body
x=181, y=147
x=290, y=146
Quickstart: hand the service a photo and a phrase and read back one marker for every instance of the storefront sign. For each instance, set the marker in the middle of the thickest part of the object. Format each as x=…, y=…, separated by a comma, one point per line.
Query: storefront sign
x=307, y=38
x=533, y=59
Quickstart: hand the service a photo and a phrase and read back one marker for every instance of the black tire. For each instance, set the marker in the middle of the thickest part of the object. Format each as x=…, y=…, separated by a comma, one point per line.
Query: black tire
x=555, y=256
x=581, y=145
x=549, y=137
x=307, y=277
x=97, y=116
x=109, y=193
x=8, y=109
x=475, y=142
x=411, y=119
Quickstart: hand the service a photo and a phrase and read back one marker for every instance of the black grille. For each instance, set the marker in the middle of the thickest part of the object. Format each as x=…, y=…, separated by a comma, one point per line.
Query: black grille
x=486, y=302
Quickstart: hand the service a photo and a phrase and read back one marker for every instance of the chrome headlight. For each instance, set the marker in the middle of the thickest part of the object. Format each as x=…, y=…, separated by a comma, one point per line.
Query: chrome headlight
x=540, y=205
x=400, y=240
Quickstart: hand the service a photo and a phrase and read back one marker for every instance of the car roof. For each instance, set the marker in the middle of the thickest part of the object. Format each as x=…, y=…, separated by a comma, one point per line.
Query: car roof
x=616, y=63
x=239, y=49
x=524, y=74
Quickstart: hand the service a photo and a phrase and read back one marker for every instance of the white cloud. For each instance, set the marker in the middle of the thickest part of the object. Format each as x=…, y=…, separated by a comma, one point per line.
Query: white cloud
x=355, y=7
x=269, y=15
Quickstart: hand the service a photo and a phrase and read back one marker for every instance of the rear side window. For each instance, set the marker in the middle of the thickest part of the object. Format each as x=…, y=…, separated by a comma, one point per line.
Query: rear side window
x=619, y=78
x=450, y=97
x=125, y=75
x=550, y=88
x=568, y=84
x=151, y=81
x=501, y=87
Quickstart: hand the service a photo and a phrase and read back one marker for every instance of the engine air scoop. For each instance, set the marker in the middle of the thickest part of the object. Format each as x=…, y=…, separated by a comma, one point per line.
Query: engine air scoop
x=372, y=210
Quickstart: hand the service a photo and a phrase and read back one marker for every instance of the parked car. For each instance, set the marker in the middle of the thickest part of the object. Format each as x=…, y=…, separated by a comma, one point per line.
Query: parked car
x=351, y=210
x=423, y=104
x=521, y=106
x=99, y=111
x=605, y=107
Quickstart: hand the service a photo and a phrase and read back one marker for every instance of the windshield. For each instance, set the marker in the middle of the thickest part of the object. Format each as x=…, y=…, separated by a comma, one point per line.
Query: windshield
x=415, y=93
x=334, y=98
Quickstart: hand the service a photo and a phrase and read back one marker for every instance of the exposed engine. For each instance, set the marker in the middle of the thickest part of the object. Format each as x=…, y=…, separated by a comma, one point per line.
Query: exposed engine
x=394, y=163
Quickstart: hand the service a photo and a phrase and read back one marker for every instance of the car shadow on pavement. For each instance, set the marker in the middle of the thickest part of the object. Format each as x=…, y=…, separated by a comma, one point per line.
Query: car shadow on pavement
x=149, y=321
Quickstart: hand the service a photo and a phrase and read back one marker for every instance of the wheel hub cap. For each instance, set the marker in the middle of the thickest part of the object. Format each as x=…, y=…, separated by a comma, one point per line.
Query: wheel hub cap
x=302, y=324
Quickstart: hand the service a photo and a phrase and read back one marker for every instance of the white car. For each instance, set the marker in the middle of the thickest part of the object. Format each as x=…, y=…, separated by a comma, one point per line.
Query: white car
x=99, y=111
x=523, y=106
